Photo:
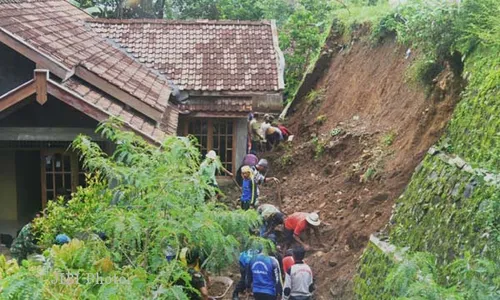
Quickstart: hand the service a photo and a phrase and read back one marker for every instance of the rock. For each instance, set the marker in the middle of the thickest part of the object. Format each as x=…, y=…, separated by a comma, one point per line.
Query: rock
x=284, y=178
x=332, y=262
x=355, y=118
x=378, y=213
x=322, y=205
x=286, y=199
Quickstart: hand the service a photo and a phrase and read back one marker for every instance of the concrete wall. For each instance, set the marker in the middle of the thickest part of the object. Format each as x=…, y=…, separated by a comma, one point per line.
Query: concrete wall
x=241, y=140
x=8, y=194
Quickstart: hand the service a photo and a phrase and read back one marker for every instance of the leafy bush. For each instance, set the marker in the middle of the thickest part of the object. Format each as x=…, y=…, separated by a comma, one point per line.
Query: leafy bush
x=145, y=199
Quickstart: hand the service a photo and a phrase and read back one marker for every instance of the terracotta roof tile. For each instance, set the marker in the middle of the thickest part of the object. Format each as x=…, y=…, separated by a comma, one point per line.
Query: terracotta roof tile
x=117, y=109
x=57, y=29
x=196, y=53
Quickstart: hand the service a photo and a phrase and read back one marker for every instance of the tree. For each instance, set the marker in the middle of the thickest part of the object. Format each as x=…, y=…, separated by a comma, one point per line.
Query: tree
x=146, y=199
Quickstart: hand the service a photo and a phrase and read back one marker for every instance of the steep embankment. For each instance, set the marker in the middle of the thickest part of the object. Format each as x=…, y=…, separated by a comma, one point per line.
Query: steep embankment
x=359, y=134
x=451, y=208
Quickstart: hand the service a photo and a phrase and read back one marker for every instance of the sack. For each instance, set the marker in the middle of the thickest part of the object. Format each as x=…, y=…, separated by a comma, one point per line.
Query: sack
x=284, y=131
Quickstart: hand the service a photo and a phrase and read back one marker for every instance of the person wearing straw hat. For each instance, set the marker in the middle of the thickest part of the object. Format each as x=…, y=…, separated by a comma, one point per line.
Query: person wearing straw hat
x=297, y=223
x=209, y=168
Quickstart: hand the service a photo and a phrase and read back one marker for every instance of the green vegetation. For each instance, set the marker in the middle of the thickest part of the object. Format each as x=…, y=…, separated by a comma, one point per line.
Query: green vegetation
x=388, y=138
x=418, y=276
x=448, y=214
x=315, y=97
x=145, y=199
x=320, y=120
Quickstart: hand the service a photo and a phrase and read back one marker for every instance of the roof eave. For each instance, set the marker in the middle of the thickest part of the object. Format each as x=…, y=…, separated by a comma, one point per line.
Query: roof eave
x=41, y=59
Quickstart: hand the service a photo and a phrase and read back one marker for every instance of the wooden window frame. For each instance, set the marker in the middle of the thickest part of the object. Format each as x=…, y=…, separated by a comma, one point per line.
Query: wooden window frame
x=75, y=172
x=210, y=135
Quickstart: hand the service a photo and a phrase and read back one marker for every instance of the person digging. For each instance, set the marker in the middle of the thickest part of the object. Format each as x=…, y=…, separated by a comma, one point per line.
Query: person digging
x=271, y=217
x=296, y=224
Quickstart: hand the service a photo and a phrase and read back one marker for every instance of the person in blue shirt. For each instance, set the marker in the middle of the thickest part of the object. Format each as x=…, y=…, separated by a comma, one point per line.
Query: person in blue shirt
x=248, y=189
x=245, y=258
x=264, y=277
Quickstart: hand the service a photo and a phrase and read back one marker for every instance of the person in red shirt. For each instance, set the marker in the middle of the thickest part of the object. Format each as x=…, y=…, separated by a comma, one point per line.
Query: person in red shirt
x=288, y=260
x=297, y=223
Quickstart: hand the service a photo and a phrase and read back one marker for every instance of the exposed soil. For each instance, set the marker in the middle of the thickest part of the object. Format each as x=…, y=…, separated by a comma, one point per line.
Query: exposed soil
x=375, y=130
x=216, y=289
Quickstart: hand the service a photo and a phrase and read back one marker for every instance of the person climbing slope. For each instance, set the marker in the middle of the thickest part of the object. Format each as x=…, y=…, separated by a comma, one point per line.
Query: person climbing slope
x=299, y=282
x=297, y=223
x=248, y=189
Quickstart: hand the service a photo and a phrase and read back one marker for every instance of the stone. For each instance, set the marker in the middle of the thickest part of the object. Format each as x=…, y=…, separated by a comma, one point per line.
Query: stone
x=322, y=205
x=332, y=262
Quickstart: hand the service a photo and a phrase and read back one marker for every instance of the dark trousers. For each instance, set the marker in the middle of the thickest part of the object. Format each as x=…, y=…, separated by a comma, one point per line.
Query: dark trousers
x=245, y=205
x=240, y=286
x=261, y=296
x=300, y=298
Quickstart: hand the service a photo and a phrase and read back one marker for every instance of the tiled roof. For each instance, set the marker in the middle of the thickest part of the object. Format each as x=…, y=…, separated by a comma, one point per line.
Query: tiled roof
x=115, y=108
x=202, y=55
x=223, y=105
x=57, y=29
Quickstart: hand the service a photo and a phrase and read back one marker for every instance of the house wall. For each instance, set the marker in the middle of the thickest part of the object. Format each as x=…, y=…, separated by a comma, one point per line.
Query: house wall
x=8, y=193
x=15, y=69
x=241, y=141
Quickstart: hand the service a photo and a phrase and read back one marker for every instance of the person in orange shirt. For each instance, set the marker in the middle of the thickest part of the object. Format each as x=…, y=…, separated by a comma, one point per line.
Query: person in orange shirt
x=297, y=223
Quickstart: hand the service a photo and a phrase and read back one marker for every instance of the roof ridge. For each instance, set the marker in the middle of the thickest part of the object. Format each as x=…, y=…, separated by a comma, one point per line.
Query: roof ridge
x=186, y=22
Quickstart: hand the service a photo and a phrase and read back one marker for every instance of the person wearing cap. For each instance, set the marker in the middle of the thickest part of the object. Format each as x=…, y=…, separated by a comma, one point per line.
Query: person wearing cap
x=297, y=223
x=260, y=170
x=271, y=217
x=209, y=168
x=248, y=189
x=299, y=281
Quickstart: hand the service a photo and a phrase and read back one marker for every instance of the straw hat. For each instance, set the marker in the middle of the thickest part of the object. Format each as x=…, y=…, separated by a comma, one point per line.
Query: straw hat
x=313, y=219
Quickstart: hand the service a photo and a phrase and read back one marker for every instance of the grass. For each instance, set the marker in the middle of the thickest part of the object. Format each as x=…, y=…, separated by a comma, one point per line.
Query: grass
x=363, y=14
x=388, y=138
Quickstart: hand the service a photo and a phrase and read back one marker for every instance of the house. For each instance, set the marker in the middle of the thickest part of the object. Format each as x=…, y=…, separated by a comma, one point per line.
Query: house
x=62, y=73
x=223, y=70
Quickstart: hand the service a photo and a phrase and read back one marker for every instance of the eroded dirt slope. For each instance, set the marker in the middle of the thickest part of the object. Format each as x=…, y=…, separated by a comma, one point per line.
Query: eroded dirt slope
x=355, y=149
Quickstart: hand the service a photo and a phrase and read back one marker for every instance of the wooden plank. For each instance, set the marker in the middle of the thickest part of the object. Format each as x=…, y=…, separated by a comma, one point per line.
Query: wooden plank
x=74, y=100
x=124, y=97
x=235, y=145
x=34, y=54
x=46, y=134
x=218, y=115
x=41, y=77
x=17, y=95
